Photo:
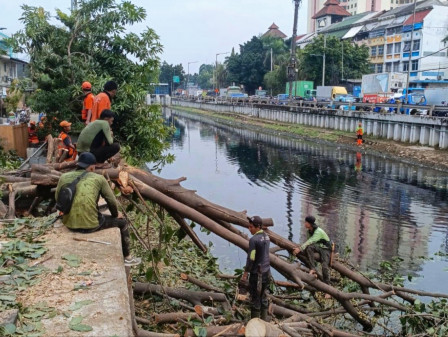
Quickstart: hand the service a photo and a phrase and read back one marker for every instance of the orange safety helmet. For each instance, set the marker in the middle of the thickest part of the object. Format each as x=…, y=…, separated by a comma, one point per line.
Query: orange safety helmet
x=86, y=86
x=65, y=124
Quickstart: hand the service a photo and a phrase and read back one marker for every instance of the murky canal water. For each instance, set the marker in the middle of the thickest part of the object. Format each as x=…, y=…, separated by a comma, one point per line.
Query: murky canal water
x=378, y=207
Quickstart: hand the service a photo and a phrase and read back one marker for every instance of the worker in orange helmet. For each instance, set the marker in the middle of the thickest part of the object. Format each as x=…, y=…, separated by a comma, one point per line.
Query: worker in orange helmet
x=32, y=134
x=359, y=133
x=66, y=143
x=87, y=103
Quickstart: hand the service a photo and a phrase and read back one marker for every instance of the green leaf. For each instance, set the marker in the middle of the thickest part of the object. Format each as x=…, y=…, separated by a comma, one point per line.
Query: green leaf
x=80, y=304
x=76, y=320
x=208, y=320
x=81, y=327
x=10, y=328
x=72, y=260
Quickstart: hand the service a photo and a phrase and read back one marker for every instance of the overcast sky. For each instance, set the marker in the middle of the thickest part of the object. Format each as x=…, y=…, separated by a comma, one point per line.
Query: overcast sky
x=190, y=30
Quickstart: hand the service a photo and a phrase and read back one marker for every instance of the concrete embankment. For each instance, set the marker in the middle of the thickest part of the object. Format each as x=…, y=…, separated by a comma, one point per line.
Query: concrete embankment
x=87, y=285
x=423, y=130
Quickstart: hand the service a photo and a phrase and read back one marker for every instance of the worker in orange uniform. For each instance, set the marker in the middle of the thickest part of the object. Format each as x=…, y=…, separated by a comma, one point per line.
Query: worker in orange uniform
x=87, y=103
x=32, y=134
x=359, y=133
x=103, y=99
x=66, y=144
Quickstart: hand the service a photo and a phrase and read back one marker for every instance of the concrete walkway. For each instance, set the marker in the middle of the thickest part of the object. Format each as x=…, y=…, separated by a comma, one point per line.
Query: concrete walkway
x=99, y=280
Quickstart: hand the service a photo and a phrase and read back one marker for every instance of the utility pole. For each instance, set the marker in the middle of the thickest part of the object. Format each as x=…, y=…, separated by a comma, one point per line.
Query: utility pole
x=323, y=61
x=74, y=5
x=188, y=76
x=291, y=72
x=342, y=79
x=215, y=73
x=410, y=55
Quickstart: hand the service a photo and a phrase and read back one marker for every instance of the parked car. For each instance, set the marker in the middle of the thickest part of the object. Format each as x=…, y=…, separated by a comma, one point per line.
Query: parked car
x=346, y=98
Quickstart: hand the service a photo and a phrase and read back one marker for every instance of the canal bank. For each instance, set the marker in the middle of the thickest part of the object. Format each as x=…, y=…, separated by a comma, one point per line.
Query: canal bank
x=409, y=153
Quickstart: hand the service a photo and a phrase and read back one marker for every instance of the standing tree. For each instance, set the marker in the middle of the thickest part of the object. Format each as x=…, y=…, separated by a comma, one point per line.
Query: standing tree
x=168, y=71
x=356, y=60
x=92, y=44
x=205, y=76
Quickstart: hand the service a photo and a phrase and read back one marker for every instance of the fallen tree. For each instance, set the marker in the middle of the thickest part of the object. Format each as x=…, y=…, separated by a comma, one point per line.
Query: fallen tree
x=185, y=204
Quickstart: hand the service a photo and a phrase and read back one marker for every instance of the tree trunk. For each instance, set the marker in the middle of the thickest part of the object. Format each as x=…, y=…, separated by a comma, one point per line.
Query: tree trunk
x=233, y=330
x=50, y=148
x=190, y=232
x=173, y=317
x=194, y=297
x=199, y=283
x=259, y=328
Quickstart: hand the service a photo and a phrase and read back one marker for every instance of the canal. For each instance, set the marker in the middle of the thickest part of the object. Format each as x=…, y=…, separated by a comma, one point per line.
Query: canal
x=374, y=206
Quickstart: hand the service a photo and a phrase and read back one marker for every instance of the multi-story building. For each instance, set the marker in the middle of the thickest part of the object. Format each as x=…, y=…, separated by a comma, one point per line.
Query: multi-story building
x=10, y=66
x=353, y=7
x=392, y=48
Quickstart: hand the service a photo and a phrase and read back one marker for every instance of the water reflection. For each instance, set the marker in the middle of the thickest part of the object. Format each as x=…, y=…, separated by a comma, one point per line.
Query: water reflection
x=378, y=207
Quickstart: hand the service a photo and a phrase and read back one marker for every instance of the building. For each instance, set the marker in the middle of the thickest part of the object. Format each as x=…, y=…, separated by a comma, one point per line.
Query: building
x=274, y=31
x=353, y=7
x=330, y=14
x=10, y=66
x=392, y=47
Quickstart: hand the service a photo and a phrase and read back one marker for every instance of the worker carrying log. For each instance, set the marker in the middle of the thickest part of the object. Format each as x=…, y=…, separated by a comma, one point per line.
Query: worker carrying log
x=97, y=138
x=258, y=266
x=318, y=242
x=66, y=144
x=84, y=216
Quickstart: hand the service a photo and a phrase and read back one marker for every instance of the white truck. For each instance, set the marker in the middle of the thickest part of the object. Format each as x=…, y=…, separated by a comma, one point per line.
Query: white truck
x=436, y=96
x=379, y=88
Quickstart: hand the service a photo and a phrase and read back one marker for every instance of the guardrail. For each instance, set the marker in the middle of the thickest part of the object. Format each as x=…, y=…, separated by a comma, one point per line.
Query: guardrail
x=429, y=110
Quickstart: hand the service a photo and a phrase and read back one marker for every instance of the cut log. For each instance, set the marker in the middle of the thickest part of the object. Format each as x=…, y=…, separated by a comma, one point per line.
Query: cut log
x=202, y=310
x=173, y=317
x=199, y=283
x=13, y=179
x=234, y=330
x=259, y=328
x=194, y=297
x=11, y=202
x=50, y=149
x=146, y=333
x=190, y=232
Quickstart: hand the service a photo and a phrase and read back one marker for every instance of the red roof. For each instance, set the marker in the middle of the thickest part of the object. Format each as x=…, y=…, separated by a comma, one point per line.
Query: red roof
x=331, y=7
x=419, y=16
x=274, y=32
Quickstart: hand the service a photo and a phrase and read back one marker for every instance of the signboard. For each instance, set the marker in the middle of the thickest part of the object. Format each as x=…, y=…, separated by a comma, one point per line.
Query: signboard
x=176, y=79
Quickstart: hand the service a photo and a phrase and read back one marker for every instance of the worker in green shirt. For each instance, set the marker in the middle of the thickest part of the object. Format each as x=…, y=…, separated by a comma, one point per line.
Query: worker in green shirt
x=97, y=138
x=318, y=242
x=84, y=216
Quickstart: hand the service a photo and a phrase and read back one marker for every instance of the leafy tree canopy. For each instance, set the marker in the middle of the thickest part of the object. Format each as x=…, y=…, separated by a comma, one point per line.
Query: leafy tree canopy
x=248, y=67
x=356, y=60
x=92, y=44
x=168, y=71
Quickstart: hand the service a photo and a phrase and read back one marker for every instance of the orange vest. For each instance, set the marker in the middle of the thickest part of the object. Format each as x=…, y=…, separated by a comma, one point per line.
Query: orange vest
x=61, y=146
x=87, y=104
x=100, y=103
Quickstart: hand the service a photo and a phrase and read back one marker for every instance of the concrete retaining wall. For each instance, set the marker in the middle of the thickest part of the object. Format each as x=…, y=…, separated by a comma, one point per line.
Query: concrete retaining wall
x=424, y=130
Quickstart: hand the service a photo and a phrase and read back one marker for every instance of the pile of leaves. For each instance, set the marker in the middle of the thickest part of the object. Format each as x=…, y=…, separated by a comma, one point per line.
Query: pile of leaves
x=20, y=244
x=9, y=160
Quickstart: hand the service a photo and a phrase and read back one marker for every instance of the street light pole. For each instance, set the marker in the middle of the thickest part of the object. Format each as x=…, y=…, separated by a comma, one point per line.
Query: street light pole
x=410, y=55
x=215, y=73
x=188, y=76
x=323, y=61
x=292, y=65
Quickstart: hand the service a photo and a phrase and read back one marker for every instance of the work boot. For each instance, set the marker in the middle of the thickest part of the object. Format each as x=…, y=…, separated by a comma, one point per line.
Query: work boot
x=264, y=315
x=254, y=313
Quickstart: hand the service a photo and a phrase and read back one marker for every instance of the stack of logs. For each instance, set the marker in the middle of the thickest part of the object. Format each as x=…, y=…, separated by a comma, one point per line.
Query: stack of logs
x=186, y=204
